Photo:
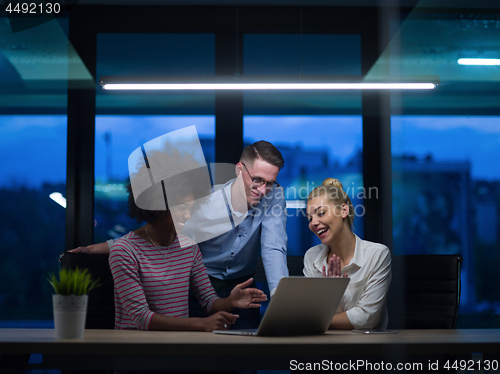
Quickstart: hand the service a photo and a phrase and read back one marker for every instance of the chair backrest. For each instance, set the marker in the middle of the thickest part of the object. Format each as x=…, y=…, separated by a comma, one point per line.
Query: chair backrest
x=424, y=292
x=101, y=306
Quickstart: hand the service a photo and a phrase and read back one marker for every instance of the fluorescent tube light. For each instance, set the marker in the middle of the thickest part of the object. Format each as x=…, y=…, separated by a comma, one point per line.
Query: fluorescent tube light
x=58, y=198
x=479, y=61
x=296, y=204
x=271, y=86
x=265, y=83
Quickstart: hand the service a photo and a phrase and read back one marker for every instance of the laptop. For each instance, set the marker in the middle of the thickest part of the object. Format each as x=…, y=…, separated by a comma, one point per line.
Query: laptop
x=300, y=306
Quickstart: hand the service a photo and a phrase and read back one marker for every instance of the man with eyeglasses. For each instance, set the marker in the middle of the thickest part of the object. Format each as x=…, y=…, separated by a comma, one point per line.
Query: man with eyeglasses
x=256, y=206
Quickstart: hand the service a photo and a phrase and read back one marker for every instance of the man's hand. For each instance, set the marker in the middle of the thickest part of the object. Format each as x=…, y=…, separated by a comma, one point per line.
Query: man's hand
x=219, y=321
x=80, y=250
x=95, y=249
x=334, y=269
x=244, y=298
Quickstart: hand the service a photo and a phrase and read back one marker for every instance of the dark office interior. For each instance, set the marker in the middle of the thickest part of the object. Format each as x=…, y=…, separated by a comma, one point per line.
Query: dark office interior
x=428, y=157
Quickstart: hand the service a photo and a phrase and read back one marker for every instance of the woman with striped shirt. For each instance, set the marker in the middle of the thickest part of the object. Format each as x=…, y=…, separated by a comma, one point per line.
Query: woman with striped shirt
x=154, y=267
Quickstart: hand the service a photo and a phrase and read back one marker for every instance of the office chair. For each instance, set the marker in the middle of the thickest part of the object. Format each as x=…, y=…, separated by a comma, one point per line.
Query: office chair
x=101, y=304
x=424, y=292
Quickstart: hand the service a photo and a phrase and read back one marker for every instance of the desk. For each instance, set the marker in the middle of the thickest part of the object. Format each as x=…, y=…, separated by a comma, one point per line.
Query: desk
x=122, y=349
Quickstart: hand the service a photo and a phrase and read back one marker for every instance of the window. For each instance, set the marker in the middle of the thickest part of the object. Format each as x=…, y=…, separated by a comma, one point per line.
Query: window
x=33, y=148
x=445, y=182
x=155, y=55
x=309, y=160
x=333, y=146
x=33, y=122
x=446, y=197
x=126, y=120
x=116, y=138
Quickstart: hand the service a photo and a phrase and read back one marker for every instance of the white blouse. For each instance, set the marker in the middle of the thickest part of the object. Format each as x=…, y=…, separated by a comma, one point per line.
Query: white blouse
x=364, y=300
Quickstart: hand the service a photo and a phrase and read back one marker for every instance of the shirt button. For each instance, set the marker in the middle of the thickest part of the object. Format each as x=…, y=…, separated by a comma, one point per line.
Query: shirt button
x=232, y=253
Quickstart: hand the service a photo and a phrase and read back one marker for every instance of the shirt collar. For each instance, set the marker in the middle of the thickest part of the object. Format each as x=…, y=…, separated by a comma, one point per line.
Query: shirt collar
x=227, y=191
x=321, y=258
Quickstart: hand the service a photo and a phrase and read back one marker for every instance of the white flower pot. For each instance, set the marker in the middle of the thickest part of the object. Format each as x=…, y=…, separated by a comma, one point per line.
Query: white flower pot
x=69, y=316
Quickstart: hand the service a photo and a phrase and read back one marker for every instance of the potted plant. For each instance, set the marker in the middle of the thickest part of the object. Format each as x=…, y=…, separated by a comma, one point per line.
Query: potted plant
x=70, y=301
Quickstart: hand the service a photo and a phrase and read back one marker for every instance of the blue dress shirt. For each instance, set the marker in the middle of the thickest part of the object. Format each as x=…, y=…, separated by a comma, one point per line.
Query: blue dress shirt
x=229, y=241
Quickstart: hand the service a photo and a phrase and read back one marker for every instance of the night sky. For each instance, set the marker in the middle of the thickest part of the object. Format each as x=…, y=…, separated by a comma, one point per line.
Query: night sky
x=33, y=148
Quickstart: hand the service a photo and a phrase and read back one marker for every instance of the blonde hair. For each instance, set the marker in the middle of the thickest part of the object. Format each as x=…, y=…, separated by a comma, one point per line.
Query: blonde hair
x=334, y=191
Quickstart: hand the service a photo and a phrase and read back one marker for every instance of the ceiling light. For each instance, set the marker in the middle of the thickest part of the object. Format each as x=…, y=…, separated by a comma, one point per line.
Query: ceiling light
x=479, y=61
x=58, y=198
x=264, y=83
x=296, y=204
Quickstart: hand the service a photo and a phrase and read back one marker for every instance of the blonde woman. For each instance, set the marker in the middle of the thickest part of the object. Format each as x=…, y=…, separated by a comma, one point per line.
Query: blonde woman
x=342, y=253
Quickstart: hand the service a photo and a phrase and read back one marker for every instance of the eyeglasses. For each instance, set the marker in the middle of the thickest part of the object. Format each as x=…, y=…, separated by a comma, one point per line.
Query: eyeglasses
x=260, y=181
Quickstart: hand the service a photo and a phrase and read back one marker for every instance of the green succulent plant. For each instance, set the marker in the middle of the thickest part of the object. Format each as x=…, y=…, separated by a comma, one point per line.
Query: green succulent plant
x=73, y=282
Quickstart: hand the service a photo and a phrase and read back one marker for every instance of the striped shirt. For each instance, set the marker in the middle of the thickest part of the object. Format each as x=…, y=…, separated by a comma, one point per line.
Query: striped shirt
x=150, y=279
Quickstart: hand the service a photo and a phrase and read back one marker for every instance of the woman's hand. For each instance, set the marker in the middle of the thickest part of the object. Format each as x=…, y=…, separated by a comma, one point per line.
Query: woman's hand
x=219, y=321
x=334, y=268
x=244, y=298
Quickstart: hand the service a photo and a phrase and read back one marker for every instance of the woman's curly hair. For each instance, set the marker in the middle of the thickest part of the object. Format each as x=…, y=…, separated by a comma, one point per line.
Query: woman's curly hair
x=181, y=175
